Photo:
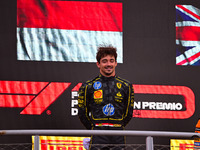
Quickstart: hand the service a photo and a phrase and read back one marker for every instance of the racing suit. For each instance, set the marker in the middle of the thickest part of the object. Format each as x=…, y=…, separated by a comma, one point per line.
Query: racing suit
x=106, y=103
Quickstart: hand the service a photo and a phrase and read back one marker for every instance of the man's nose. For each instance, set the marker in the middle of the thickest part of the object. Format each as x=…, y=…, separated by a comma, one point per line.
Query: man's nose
x=109, y=63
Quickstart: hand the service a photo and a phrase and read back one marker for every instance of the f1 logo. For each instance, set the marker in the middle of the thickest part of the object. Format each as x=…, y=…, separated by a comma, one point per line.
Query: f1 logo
x=34, y=97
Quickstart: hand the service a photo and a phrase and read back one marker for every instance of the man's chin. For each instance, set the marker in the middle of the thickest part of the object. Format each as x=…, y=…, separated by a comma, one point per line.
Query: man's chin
x=108, y=73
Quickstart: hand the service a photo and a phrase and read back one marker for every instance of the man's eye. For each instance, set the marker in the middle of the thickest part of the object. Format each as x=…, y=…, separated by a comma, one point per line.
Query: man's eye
x=112, y=61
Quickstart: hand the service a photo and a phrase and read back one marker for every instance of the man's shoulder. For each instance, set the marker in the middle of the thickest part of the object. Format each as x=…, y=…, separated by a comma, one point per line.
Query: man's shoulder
x=90, y=82
x=124, y=81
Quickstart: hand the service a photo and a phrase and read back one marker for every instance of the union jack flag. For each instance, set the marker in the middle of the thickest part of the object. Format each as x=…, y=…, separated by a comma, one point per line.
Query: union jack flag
x=187, y=35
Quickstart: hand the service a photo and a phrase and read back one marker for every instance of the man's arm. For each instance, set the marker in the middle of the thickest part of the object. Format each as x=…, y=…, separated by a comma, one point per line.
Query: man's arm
x=83, y=112
x=128, y=114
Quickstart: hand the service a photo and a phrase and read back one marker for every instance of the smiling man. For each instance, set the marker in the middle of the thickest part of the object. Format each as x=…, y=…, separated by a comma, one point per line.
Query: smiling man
x=106, y=102
x=107, y=66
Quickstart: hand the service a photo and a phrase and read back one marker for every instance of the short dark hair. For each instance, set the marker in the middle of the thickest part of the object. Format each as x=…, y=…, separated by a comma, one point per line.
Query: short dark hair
x=103, y=51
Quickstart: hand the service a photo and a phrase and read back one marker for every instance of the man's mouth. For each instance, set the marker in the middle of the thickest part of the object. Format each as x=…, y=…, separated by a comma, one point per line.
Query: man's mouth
x=108, y=69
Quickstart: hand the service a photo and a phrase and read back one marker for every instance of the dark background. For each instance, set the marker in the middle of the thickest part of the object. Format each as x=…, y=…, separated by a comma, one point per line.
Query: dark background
x=149, y=57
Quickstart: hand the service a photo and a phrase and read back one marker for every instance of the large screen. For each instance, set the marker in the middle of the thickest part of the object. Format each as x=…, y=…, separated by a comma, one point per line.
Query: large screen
x=48, y=48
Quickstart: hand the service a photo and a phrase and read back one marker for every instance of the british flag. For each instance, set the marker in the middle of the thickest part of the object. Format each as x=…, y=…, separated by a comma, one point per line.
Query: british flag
x=187, y=35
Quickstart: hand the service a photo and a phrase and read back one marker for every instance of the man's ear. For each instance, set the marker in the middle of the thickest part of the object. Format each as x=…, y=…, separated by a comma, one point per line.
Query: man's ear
x=98, y=65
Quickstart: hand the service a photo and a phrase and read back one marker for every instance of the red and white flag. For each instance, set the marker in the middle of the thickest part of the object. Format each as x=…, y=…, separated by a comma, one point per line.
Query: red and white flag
x=50, y=30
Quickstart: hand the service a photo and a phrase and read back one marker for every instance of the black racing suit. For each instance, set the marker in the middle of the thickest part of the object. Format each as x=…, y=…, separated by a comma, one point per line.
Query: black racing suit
x=106, y=103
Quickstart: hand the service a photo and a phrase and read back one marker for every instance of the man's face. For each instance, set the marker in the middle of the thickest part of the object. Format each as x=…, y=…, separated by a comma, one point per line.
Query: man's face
x=107, y=65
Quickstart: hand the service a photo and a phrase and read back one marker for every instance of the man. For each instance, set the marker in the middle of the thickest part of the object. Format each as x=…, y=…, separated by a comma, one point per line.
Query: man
x=106, y=102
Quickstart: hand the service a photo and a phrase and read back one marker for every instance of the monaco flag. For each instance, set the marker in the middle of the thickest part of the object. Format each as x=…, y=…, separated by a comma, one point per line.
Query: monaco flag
x=51, y=30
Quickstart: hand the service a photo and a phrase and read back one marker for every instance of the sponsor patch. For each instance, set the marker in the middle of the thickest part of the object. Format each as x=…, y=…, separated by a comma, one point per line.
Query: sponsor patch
x=98, y=101
x=119, y=85
x=119, y=94
x=98, y=94
x=109, y=110
x=97, y=85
